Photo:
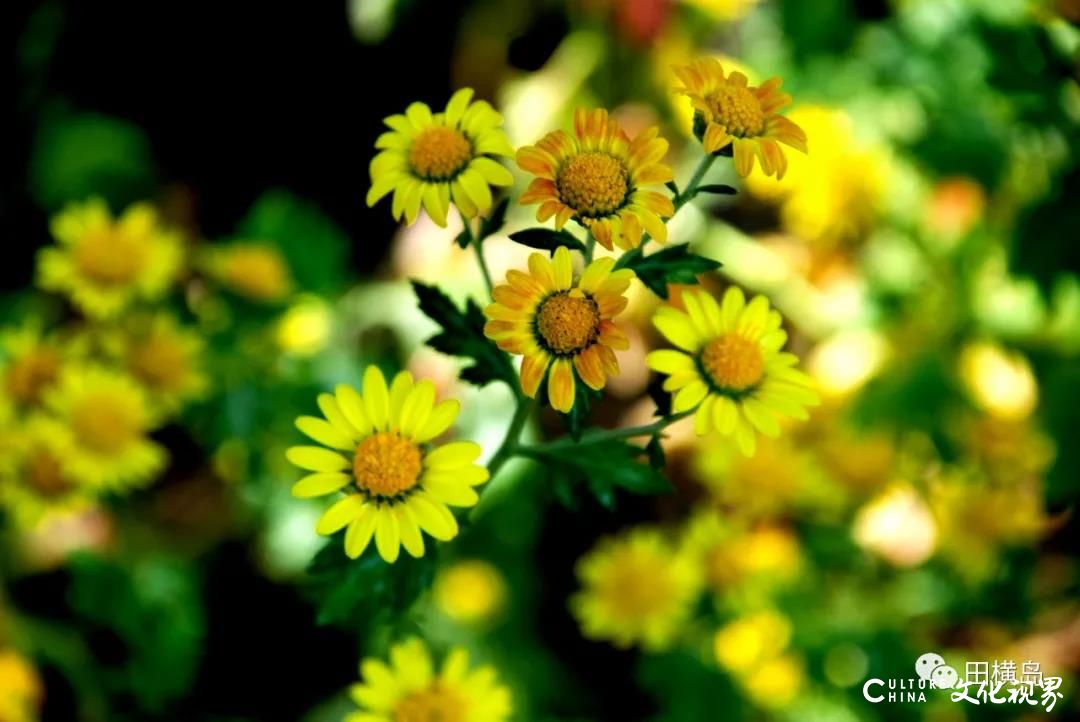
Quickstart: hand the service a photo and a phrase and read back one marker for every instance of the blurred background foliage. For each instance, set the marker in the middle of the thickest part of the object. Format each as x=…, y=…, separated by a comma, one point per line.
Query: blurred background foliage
x=925, y=253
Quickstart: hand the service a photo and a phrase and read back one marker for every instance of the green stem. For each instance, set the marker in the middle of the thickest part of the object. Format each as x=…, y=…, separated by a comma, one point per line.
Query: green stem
x=478, y=245
x=599, y=435
x=590, y=247
x=509, y=445
x=690, y=190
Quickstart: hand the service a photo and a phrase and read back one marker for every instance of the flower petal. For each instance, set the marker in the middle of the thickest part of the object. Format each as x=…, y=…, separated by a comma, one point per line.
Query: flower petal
x=316, y=458
x=339, y=515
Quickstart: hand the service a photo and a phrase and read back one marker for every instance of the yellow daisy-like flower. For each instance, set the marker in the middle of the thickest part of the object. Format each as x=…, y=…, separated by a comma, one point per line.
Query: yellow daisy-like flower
x=729, y=365
x=598, y=176
x=638, y=589
x=408, y=689
x=470, y=591
x=103, y=264
x=543, y=316
x=255, y=271
x=37, y=480
x=108, y=415
x=729, y=111
x=431, y=158
x=395, y=483
x=21, y=689
x=30, y=363
x=164, y=357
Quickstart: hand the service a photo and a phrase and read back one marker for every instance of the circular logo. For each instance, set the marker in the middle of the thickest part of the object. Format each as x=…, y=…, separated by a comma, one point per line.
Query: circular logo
x=944, y=677
x=927, y=663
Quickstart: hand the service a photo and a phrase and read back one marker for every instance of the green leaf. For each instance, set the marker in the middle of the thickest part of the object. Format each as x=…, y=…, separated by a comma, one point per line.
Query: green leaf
x=579, y=415
x=494, y=222
x=464, y=238
x=606, y=465
x=655, y=450
x=363, y=593
x=675, y=264
x=546, y=239
x=717, y=188
x=463, y=335
x=660, y=397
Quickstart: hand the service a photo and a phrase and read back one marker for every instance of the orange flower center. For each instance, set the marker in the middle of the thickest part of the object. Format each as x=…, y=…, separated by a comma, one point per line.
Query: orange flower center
x=109, y=258
x=593, y=183
x=159, y=361
x=386, y=465
x=568, y=322
x=28, y=376
x=435, y=704
x=45, y=475
x=439, y=153
x=738, y=110
x=734, y=363
x=106, y=423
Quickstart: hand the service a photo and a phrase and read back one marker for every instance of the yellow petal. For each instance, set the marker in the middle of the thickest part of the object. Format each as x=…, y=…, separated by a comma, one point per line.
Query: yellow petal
x=541, y=270
x=410, y=531
x=332, y=411
x=563, y=269
x=387, y=535
x=416, y=408
x=703, y=417
x=450, y=492
x=316, y=458
x=433, y=517
x=440, y=419
x=376, y=398
x=399, y=390
x=340, y=515
x=320, y=484
x=352, y=408
x=453, y=455
x=676, y=327
x=561, y=385
x=360, y=531
x=325, y=433
x=668, y=361
x=760, y=417
x=689, y=396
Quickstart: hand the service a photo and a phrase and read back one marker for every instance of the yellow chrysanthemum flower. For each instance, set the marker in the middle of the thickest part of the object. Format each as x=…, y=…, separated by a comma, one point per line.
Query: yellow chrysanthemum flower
x=543, y=316
x=729, y=111
x=638, y=589
x=255, y=271
x=431, y=158
x=164, y=357
x=21, y=689
x=737, y=559
x=37, y=479
x=729, y=365
x=380, y=444
x=30, y=364
x=103, y=264
x=409, y=690
x=108, y=415
x=470, y=591
x=598, y=176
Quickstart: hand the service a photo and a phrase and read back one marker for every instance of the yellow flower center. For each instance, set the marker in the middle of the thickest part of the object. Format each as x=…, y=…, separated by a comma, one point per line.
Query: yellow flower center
x=593, y=183
x=105, y=422
x=386, y=465
x=159, y=362
x=738, y=110
x=439, y=153
x=435, y=704
x=637, y=587
x=568, y=322
x=109, y=257
x=734, y=363
x=45, y=475
x=28, y=376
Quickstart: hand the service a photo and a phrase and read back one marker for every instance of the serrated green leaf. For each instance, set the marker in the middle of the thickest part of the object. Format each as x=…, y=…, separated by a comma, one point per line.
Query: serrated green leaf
x=675, y=264
x=463, y=335
x=578, y=418
x=605, y=465
x=655, y=451
x=546, y=239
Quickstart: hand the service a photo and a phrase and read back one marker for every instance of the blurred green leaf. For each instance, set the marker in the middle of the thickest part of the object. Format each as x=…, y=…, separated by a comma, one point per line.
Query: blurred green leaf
x=546, y=239
x=606, y=465
x=675, y=264
x=494, y=222
x=463, y=335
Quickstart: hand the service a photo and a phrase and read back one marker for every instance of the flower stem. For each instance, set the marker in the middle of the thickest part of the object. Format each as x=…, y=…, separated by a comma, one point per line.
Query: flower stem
x=690, y=190
x=599, y=435
x=509, y=445
x=590, y=247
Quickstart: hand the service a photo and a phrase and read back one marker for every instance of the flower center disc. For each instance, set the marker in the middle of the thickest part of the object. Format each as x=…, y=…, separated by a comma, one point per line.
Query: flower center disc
x=638, y=588
x=568, y=323
x=386, y=464
x=738, y=110
x=105, y=423
x=27, y=376
x=734, y=363
x=439, y=153
x=43, y=471
x=159, y=362
x=436, y=704
x=110, y=258
x=593, y=184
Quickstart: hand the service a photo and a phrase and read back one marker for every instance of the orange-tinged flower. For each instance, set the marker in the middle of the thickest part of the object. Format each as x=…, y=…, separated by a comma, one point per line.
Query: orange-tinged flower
x=554, y=323
x=730, y=111
x=598, y=176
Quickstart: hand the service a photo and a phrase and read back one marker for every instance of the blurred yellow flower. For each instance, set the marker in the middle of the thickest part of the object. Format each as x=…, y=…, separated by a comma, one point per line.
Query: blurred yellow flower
x=598, y=176
x=409, y=690
x=108, y=415
x=432, y=158
x=729, y=111
x=104, y=264
x=1000, y=382
x=21, y=689
x=637, y=589
x=763, y=485
x=897, y=526
x=164, y=357
x=743, y=644
x=777, y=682
x=724, y=9
x=30, y=364
x=832, y=195
x=379, y=444
x=304, y=329
x=36, y=479
x=729, y=366
x=543, y=316
x=470, y=591
x=735, y=559
x=255, y=271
